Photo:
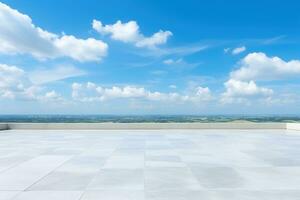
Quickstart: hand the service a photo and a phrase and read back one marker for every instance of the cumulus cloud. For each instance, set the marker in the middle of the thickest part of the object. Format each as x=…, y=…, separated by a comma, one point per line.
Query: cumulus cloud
x=53, y=96
x=18, y=35
x=258, y=66
x=242, y=90
x=11, y=76
x=90, y=92
x=129, y=32
x=81, y=49
x=15, y=84
x=158, y=38
x=202, y=93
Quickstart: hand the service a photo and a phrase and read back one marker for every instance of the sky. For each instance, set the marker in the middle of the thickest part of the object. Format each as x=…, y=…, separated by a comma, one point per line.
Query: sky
x=150, y=57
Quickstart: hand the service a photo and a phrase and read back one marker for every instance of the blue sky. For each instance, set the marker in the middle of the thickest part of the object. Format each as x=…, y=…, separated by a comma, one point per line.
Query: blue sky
x=149, y=57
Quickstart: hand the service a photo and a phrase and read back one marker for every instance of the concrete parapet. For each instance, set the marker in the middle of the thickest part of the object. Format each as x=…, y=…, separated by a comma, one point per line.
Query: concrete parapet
x=140, y=126
x=293, y=126
x=3, y=126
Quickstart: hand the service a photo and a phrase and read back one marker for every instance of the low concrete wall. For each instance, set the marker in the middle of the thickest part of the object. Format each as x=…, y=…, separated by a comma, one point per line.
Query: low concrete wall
x=128, y=126
x=293, y=126
x=3, y=126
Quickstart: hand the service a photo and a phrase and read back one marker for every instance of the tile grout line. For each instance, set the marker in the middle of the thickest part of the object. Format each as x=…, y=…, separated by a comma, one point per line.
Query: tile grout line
x=86, y=188
x=16, y=165
x=72, y=157
x=26, y=189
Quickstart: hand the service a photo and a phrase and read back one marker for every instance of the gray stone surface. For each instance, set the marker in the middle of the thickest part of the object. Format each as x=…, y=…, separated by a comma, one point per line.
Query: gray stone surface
x=149, y=164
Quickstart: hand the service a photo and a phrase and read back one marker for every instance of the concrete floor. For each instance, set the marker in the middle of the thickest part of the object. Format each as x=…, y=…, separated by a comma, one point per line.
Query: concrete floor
x=151, y=165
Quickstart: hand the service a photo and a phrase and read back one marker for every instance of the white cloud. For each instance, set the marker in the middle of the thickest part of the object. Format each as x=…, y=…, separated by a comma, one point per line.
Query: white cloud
x=52, y=96
x=172, y=86
x=258, y=66
x=240, y=88
x=158, y=38
x=18, y=35
x=282, y=99
x=183, y=50
x=203, y=93
x=125, y=32
x=240, y=91
x=178, y=51
x=90, y=92
x=238, y=50
x=14, y=84
x=130, y=33
x=180, y=63
x=81, y=49
x=11, y=76
x=273, y=39
x=57, y=73
x=172, y=61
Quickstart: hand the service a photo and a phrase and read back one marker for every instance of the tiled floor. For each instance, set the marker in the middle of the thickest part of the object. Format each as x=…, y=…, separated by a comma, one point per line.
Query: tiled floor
x=150, y=165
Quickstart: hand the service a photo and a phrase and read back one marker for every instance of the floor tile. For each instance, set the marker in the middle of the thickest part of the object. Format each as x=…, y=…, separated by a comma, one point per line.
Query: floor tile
x=114, y=195
x=156, y=164
x=49, y=195
x=63, y=181
x=270, y=178
x=28, y=173
x=8, y=195
x=177, y=194
x=170, y=178
x=118, y=179
x=125, y=162
x=218, y=177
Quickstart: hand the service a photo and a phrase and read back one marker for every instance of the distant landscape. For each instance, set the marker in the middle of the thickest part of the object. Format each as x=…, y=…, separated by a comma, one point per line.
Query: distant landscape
x=143, y=118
